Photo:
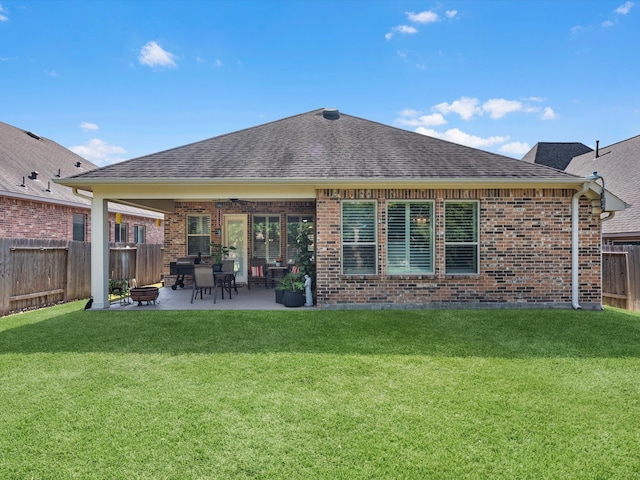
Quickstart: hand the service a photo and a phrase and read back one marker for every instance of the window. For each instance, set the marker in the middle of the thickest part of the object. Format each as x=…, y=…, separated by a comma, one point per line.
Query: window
x=266, y=237
x=410, y=237
x=359, y=238
x=198, y=234
x=138, y=234
x=295, y=225
x=79, y=227
x=120, y=233
x=461, y=237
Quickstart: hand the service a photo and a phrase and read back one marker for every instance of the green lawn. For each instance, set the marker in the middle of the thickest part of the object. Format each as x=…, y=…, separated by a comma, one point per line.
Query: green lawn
x=300, y=394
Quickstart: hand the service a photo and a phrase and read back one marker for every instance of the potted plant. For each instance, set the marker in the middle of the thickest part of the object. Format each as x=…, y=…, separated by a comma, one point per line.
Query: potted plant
x=292, y=290
x=219, y=252
x=304, y=258
x=119, y=288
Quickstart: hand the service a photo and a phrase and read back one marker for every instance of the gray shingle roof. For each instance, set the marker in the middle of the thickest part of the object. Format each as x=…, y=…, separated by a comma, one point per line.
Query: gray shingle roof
x=310, y=146
x=619, y=165
x=23, y=152
x=555, y=154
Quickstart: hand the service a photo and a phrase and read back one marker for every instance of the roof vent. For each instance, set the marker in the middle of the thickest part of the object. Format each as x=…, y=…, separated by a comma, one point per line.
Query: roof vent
x=78, y=164
x=34, y=135
x=34, y=175
x=331, y=113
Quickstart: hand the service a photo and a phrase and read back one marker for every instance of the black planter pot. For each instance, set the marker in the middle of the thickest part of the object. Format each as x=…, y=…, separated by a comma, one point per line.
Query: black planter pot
x=279, y=295
x=292, y=299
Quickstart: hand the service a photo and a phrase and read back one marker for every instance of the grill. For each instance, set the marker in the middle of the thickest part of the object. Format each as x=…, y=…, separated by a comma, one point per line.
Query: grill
x=180, y=268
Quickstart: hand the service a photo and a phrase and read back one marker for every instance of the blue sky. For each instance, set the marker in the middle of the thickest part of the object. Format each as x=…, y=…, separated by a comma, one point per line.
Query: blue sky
x=117, y=79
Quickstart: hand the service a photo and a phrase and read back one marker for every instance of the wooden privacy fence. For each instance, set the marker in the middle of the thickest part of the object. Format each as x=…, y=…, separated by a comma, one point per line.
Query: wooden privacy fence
x=35, y=273
x=621, y=276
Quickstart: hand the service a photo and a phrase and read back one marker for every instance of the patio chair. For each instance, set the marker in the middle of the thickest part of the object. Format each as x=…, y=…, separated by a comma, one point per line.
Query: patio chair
x=225, y=282
x=228, y=266
x=257, y=272
x=202, y=280
x=225, y=279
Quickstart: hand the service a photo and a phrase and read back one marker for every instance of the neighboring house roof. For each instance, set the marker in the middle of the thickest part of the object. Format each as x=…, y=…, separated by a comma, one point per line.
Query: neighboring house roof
x=319, y=145
x=619, y=165
x=555, y=154
x=22, y=153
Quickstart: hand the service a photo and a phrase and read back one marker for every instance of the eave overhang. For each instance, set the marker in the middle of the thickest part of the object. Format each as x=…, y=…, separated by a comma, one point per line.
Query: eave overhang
x=166, y=190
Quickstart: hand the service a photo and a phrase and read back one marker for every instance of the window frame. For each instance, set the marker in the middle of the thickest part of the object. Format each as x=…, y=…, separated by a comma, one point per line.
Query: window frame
x=475, y=243
x=76, y=226
x=269, y=256
x=205, y=234
x=407, y=242
x=120, y=231
x=292, y=248
x=374, y=243
x=139, y=230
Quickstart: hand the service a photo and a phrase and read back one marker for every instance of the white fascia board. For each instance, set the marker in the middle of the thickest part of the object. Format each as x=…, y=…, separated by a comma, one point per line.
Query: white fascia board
x=164, y=183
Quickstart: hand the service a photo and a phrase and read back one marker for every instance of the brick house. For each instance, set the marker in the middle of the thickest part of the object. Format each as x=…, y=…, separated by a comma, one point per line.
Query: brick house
x=33, y=206
x=618, y=166
x=400, y=220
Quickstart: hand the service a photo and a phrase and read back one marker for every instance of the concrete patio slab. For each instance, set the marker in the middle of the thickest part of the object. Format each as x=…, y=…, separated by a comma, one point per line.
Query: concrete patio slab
x=257, y=298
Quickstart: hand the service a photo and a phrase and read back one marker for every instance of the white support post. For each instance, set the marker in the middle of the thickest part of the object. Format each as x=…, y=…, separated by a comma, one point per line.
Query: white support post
x=100, y=252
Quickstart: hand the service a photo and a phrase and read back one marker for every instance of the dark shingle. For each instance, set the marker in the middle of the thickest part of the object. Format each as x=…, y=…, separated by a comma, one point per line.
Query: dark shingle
x=312, y=146
x=555, y=154
x=23, y=152
x=619, y=165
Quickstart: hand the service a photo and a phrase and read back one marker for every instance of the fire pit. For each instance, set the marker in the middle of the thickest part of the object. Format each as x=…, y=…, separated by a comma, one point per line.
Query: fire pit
x=144, y=294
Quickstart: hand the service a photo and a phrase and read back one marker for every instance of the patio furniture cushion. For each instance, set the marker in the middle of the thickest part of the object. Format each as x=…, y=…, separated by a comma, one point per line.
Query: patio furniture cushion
x=257, y=271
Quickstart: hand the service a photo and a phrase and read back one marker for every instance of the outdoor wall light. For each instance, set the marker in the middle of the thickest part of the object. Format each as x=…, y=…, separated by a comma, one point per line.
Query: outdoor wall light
x=592, y=178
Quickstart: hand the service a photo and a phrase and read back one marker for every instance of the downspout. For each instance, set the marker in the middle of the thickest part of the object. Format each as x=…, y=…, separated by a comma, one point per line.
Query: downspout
x=575, y=245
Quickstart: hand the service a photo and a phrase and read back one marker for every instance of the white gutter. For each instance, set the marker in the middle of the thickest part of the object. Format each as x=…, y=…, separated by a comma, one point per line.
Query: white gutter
x=81, y=195
x=575, y=245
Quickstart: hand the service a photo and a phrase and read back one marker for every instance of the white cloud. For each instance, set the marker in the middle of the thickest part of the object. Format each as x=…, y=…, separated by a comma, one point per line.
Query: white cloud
x=451, y=13
x=549, y=114
x=89, y=126
x=466, y=107
x=458, y=136
x=608, y=23
x=51, y=73
x=515, y=148
x=624, y=8
x=99, y=152
x=499, y=107
x=404, y=29
x=153, y=55
x=423, y=17
x=409, y=112
x=3, y=17
x=423, y=120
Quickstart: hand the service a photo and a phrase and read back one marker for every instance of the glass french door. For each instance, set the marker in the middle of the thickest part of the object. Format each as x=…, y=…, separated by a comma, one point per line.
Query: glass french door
x=235, y=234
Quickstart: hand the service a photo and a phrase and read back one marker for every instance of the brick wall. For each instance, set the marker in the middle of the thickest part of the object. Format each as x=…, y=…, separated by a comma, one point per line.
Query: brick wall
x=175, y=224
x=31, y=219
x=525, y=252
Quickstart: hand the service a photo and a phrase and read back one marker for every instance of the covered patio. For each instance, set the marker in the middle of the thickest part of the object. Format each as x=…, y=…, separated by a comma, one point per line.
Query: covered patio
x=257, y=298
